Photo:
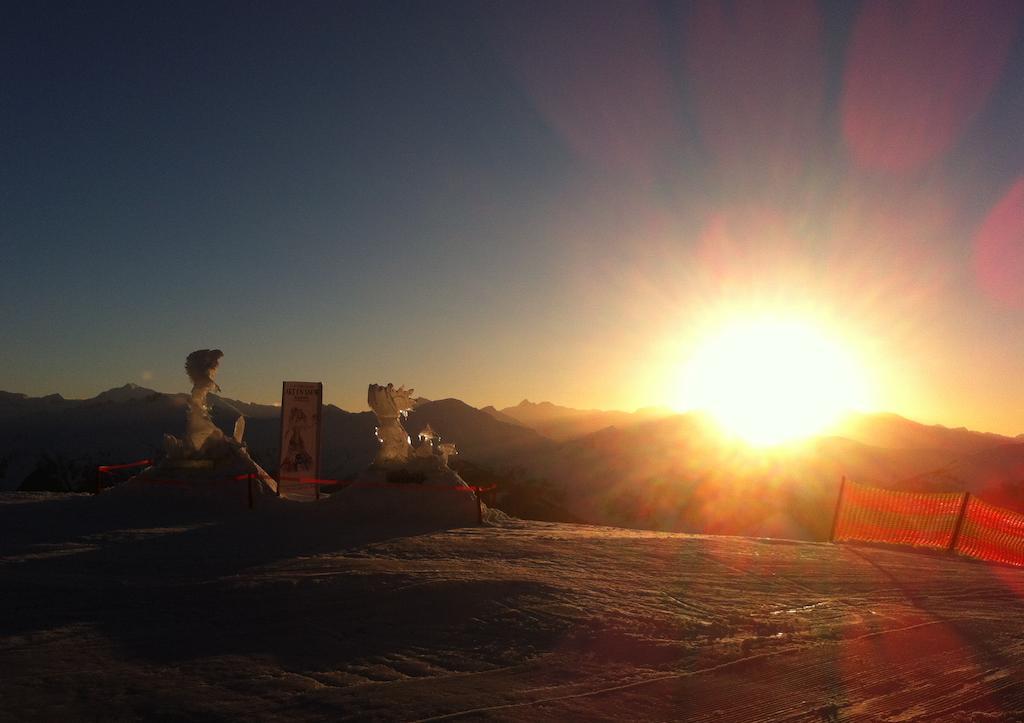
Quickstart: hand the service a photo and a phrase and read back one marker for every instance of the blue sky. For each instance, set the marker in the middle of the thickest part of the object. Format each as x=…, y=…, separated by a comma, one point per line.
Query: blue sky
x=493, y=200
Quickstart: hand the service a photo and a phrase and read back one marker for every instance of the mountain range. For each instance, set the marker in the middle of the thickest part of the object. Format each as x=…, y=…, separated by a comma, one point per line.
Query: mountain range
x=651, y=469
x=564, y=423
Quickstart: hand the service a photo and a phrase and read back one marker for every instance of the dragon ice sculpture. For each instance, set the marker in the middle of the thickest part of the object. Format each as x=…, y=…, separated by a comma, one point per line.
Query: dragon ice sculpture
x=390, y=404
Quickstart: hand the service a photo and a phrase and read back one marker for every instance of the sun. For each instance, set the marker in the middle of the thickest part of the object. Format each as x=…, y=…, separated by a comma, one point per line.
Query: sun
x=770, y=380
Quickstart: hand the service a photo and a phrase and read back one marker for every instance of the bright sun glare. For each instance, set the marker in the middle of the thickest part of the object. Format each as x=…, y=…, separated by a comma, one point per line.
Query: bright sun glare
x=771, y=380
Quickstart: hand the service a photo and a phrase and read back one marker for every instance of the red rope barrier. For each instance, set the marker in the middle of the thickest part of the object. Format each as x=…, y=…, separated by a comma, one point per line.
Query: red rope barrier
x=218, y=480
x=109, y=467
x=383, y=485
x=250, y=477
x=106, y=468
x=311, y=481
x=402, y=486
x=302, y=480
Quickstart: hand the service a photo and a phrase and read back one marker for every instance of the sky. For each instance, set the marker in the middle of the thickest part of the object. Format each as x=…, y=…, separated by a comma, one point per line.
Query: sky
x=493, y=201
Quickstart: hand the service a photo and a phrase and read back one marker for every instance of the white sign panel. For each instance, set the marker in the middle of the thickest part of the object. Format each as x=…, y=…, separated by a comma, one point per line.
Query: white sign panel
x=301, y=424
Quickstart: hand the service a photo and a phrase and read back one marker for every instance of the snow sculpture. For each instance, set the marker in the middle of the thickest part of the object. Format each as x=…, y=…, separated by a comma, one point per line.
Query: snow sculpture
x=201, y=367
x=204, y=441
x=427, y=434
x=427, y=437
x=206, y=459
x=446, y=449
x=390, y=404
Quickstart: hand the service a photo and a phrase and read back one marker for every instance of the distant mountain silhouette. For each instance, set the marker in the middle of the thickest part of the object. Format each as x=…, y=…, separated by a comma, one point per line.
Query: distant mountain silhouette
x=59, y=442
x=896, y=432
x=71, y=436
x=564, y=423
x=128, y=393
x=651, y=470
x=501, y=416
x=995, y=474
x=478, y=435
x=677, y=473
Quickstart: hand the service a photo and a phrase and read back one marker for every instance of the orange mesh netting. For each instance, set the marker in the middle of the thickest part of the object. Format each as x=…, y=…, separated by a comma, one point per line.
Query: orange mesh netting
x=904, y=518
x=992, y=533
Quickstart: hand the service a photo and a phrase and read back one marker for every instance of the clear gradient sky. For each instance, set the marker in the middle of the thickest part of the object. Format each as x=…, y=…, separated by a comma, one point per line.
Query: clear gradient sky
x=503, y=200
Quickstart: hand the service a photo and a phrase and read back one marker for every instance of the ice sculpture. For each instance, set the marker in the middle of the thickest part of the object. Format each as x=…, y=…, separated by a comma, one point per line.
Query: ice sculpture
x=446, y=450
x=404, y=482
x=427, y=434
x=427, y=437
x=390, y=404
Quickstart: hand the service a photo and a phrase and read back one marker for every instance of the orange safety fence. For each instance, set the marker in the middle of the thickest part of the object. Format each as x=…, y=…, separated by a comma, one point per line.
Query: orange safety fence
x=905, y=518
x=954, y=521
x=992, y=533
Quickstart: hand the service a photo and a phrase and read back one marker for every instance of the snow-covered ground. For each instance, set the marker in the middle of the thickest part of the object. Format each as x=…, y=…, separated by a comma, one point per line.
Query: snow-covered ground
x=119, y=608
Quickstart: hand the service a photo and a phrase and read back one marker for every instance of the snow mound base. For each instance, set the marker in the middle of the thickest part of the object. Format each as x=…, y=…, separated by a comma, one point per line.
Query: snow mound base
x=224, y=484
x=440, y=498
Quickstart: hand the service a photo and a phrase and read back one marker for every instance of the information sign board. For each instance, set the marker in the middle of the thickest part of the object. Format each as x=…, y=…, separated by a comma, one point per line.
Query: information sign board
x=301, y=426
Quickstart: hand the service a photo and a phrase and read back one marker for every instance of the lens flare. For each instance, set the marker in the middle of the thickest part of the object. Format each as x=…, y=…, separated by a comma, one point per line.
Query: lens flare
x=770, y=380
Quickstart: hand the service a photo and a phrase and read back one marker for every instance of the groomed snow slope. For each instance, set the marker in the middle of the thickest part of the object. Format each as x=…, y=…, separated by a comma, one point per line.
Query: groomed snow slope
x=110, y=610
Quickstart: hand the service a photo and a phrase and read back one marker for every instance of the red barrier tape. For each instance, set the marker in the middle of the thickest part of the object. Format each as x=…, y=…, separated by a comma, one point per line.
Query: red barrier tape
x=303, y=480
x=920, y=519
x=105, y=468
x=382, y=485
x=238, y=478
x=412, y=486
x=110, y=467
x=310, y=481
x=250, y=476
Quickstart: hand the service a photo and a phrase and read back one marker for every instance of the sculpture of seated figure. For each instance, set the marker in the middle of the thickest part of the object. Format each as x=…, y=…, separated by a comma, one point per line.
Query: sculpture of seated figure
x=205, y=458
x=203, y=441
